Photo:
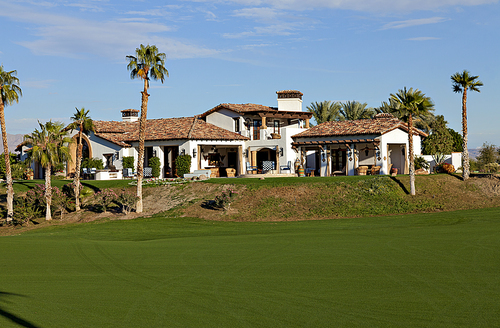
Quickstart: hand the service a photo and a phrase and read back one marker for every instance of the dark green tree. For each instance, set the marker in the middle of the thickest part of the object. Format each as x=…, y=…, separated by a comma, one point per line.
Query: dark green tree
x=488, y=154
x=440, y=140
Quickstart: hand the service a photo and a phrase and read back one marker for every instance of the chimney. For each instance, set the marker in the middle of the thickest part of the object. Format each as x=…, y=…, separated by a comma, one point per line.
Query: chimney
x=130, y=115
x=290, y=100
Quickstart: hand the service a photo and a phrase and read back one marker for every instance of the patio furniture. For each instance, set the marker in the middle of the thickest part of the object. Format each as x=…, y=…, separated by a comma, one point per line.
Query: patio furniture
x=128, y=173
x=309, y=172
x=268, y=166
x=148, y=172
x=86, y=173
x=362, y=170
x=286, y=167
x=375, y=170
x=230, y=172
x=342, y=172
x=251, y=168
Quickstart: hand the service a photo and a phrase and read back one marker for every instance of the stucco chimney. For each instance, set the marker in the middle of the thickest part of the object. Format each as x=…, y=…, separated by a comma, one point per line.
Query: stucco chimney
x=130, y=115
x=290, y=100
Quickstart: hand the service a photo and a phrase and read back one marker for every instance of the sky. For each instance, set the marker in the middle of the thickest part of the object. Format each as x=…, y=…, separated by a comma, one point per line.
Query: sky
x=72, y=54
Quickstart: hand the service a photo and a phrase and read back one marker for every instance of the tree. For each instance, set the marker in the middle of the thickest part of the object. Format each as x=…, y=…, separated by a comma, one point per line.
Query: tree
x=440, y=140
x=354, y=110
x=147, y=63
x=82, y=122
x=461, y=82
x=9, y=93
x=410, y=103
x=458, y=141
x=324, y=111
x=48, y=148
x=488, y=154
x=421, y=121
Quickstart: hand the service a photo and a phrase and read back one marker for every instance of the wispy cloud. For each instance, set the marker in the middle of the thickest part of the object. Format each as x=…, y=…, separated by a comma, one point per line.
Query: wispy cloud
x=423, y=38
x=413, y=22
x=360, y=5
x=66, y=36
x=42, y=84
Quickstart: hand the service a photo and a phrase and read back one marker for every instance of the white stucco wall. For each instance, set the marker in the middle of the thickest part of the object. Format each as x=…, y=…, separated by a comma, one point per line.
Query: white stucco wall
x=224, y=119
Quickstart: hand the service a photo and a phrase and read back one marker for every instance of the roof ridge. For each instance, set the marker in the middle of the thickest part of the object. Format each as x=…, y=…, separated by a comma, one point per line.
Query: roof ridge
x=192, y=126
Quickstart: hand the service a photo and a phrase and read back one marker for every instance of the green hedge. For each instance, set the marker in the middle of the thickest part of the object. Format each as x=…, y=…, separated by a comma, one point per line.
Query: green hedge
x=183, y=164
x=154, y=163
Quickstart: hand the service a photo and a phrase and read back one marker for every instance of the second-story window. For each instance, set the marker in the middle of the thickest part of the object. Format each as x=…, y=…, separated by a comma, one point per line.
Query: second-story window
x=236, y=124
x=277, y=126
x=256, y=129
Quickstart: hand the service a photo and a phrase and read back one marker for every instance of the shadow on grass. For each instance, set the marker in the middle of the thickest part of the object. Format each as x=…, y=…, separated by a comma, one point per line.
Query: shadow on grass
x=400, y=184
x=12, y=317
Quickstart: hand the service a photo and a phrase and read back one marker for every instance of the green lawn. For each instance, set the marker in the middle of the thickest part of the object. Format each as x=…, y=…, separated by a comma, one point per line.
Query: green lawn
x=425, y=270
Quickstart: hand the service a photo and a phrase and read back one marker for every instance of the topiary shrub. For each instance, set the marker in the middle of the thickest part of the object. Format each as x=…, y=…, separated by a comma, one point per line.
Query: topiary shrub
x=154, y=163
x=128, y=162
x=421, y=163
x=93, y=163
x=183, y=165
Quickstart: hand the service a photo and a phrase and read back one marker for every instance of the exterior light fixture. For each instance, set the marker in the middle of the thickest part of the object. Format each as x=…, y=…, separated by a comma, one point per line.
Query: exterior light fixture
x=183, y=152
x=194, y=153
x=281, y=152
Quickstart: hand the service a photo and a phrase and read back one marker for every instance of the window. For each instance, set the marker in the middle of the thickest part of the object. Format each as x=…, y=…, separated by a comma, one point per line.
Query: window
x=256, y=129
x=277, y=126
x=236, y=124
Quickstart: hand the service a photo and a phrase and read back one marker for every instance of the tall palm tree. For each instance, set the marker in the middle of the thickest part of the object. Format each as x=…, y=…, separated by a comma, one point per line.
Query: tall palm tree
x=82, y=122
x=9, y=93
x=324, y=111
x=354, y=110
x=147, y=63
x=421, y=121
x=411, y=103
x=461, y=82
x=48, y=148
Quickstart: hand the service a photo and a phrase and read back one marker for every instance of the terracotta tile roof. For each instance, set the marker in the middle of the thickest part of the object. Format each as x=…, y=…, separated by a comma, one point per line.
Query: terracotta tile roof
x=381, y=124
x=256, y=109
x=124, y=133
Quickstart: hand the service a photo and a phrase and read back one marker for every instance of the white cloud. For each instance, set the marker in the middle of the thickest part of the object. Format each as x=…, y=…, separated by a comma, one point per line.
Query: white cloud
x=413, y=22
x=361, y=5
x=42, y=84
x=66, y=36
x=423, y=38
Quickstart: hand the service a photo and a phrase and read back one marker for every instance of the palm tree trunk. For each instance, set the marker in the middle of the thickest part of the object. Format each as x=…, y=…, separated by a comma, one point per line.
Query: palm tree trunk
x=465, y=151
x=142, y=137
x=8, y=172
x=77, y=170
x=48, y=194
x=410, y=155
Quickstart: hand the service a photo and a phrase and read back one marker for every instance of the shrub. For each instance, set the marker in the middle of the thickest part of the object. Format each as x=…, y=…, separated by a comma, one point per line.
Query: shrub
x=60, y=201
x=224, y=200
x=183, y=164
x=447, y=168
x=127, y=201
x=24, y=210
x=421, y=163
x=491, y=167
x=104, y=198
x=154, y=163
x=128, y=162
x=93, y=163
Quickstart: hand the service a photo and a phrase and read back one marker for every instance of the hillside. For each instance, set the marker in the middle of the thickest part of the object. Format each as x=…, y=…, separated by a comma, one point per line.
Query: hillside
x=13, y=140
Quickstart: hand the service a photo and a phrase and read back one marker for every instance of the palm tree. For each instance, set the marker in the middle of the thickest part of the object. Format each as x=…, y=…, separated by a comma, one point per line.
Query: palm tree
x=48, y=148
x=324, y=111
x=82, y=122
x=147, y=63
x=354, y=110
x=411, y=103
x=9, y=93
x=461, y=83
x=421, y=121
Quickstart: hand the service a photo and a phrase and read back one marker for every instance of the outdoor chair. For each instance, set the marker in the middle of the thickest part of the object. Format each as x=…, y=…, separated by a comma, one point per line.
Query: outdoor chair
x=251, y=168
x=286, y=167
x=362, y=170
x=375, y=170
x=337, y=173
x=85, y=172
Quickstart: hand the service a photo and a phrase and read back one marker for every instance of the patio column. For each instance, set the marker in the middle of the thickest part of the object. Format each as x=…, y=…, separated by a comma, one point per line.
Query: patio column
x=307, y=123
x=240, y=160
x=328, y=163
x=199, y=156
x=254, y=160
x=264, y=124
x=278, y=159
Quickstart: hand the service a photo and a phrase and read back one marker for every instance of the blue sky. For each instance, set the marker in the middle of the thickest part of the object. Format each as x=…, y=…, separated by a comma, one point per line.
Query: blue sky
x=71, y=53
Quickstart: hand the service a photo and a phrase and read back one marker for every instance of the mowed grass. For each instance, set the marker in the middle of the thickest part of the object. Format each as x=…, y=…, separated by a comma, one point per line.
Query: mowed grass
x=425, y=270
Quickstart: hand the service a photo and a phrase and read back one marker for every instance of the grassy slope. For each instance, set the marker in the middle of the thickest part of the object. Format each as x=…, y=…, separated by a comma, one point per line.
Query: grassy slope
x=435, y=270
